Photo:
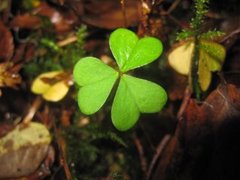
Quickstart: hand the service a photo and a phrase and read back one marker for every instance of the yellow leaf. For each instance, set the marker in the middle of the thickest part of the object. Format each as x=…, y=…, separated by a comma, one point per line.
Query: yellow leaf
x=211, y=58
x=56, y=92
x=53, y=91
x=39, y=86
x=214, y=54
x=180, y=57
x=204, y=74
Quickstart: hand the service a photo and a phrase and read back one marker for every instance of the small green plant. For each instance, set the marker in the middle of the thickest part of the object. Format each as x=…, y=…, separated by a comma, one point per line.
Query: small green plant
x=198, y=56
x=133, y=95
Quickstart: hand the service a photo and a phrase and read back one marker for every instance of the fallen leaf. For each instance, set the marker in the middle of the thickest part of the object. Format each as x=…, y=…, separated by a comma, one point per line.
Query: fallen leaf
x=23, y=149
x=53, y=86
x=6, y=43
x=109, y=14
x=62, y=21
x=222, y=103
x=27, y=21
x=9, y=76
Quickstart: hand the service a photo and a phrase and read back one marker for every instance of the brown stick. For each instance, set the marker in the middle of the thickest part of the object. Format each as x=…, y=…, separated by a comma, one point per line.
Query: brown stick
x=158, y=153
x=141, y=154
x=33, y=109
x=187, y=96
x=173, y=6
x=62, y=154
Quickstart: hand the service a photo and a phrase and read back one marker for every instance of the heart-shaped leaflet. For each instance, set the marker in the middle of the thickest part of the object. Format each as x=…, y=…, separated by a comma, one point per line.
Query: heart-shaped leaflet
x=131, y=52
x=135, y=96
x=96, y=80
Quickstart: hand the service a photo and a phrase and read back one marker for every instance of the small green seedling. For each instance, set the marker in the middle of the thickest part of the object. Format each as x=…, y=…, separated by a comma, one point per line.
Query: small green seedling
x=133, y=95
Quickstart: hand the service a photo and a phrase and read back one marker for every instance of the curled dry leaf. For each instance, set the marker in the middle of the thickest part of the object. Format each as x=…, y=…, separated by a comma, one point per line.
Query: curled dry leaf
x=9, y=76
x=6, y=43
x=23, y=149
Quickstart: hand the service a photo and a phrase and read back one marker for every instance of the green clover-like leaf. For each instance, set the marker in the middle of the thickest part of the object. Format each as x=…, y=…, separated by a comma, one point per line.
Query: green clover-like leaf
x=130, y=52
x=96, y=80
x=133, y=96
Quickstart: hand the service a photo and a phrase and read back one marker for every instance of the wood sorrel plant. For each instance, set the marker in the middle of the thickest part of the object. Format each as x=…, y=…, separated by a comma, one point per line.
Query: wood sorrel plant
x=133, y=95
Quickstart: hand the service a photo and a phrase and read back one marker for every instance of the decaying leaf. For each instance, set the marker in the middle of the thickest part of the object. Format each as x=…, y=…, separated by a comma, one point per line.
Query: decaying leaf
x=52, y=85
x=34, y=19
x=222, y=103
x=6, y=43
x=27, y=21
x=23, y=149
x=9, y=76
x=110, y=15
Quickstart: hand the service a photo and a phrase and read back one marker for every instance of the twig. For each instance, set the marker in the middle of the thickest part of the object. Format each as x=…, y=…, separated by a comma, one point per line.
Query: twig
x=233, y=33
x=141, y=154
x=173, y=6
x=147, y=137
x=67, y=41
x=158, y=153
x=33, y=109
x=187, y=96
x=62, y=158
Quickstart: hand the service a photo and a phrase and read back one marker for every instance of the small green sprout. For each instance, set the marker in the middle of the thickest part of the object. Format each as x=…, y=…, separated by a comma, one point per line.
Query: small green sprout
x=133, y=95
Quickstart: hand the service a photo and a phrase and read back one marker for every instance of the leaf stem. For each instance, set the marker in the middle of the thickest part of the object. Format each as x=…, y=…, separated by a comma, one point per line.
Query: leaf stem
x=193, y=77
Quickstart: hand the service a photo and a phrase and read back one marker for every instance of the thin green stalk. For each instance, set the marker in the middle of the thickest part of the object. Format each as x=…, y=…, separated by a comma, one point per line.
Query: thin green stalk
x=193, y=76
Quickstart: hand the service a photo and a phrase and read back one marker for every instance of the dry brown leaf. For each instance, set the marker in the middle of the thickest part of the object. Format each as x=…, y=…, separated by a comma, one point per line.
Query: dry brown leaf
x=222, y=103
x=9, y=76
x=27, y=21
x=6, y=43
x=62, y=21
x=109, y=14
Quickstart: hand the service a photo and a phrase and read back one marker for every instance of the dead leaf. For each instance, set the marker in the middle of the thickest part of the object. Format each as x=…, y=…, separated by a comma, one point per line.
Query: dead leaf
x=23, y=149
x=44, y=169
x=9, y=76
x=109, y=14
x=53, y=86
x=6, y=43
x=176, y=85
x=27, y=21
x=222, y=103
x=62, y=21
